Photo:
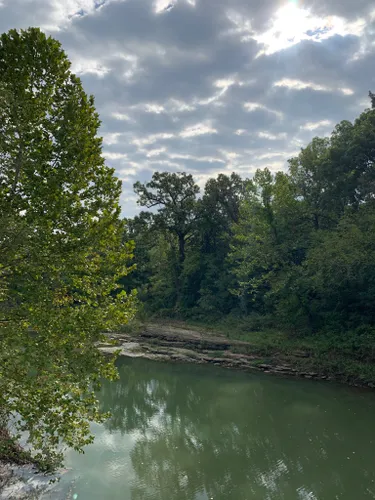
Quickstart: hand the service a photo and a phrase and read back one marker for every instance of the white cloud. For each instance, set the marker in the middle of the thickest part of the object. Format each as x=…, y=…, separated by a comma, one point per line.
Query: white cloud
x=272, y=137
x=89, y=66
x=163, y=5
x=153, y=108
x=121, y=116
x=198, y=129
x=155, y=152
x=126, y=172
x=275, y=166
x=229, y=155
x=292, y=24
x=201, y=159
x=276, y=154
x=108, y=155
x=316, y=125
x=242, y=25
x=253, y=106
x=178, y=106
x=212, y=99
x=301, y=85
x=151, y=139
x=224, y=83
x=346, y=91
x=166, y=163
x=111, y=138
x=59, y=13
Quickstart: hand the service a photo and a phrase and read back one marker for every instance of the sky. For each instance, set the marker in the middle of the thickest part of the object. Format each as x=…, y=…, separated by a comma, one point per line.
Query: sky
x=210, y=86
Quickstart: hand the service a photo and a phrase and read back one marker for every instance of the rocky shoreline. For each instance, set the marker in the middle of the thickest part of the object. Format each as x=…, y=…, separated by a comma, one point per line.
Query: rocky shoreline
x=23, y=482
x=182, y=345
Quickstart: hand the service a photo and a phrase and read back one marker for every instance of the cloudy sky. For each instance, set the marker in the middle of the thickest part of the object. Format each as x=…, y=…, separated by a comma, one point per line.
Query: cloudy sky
x=210, y=86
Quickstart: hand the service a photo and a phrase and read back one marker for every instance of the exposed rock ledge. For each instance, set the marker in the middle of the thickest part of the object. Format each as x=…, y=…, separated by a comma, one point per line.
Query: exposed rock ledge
x=170, y=343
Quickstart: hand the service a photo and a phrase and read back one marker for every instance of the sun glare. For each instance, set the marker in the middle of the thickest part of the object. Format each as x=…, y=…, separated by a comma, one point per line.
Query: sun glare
x=291, y=24
x=290, y=21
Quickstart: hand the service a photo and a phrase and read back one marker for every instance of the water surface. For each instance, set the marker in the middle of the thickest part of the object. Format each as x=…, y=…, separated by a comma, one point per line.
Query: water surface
x=186, y=432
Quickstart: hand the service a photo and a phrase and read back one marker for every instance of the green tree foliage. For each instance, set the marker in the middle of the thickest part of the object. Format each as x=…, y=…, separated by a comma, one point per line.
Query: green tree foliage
x=295, y=246
x=295, y=229
x=340, y=268
x=182, y=248
x=61, y=246
x=175, y=196
x=212, y=274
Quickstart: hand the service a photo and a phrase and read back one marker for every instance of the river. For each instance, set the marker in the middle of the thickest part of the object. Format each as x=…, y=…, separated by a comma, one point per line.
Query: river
x=188, y=432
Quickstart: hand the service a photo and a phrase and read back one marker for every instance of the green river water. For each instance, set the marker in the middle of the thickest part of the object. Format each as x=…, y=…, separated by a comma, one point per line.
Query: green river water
x=186, y=432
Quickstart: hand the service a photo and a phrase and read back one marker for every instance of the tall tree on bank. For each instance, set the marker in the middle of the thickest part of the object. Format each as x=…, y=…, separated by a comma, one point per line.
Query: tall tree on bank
x=61, y=250
x=207, y=275
x=174, y=194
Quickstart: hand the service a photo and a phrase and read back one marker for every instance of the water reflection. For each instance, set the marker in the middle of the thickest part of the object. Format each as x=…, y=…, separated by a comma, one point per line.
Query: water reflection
x=198, y=433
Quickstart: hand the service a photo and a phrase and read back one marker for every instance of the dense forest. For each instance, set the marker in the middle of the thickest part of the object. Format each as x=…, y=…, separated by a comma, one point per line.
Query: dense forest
x=291, y=249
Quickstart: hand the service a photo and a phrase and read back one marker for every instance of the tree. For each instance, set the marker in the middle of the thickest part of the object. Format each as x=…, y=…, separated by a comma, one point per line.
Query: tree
x=340, y=268
x=270, y=243
x=308, y=171
x=61, y=246
x=208, y=277
x=224, y=194
x=175, y=195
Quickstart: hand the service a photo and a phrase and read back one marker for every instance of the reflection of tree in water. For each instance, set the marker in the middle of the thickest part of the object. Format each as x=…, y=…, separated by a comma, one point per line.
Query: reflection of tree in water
x=204, y=433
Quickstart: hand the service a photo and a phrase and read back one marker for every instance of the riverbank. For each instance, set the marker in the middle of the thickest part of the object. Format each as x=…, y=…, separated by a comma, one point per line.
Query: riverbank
x=21, y=476
x=23, y=482
x=270, y=352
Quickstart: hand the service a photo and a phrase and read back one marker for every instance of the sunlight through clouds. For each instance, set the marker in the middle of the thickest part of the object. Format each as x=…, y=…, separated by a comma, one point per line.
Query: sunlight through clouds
x=291, y=24
x=163, y=5
x=204, y=86
x=61, y=12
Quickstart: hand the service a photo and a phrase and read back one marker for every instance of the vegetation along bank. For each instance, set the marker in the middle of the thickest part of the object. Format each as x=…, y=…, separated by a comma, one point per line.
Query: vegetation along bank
x=284, y=261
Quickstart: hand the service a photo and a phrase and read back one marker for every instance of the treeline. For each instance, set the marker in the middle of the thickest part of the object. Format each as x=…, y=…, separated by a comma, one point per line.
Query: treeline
x=294, y=249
